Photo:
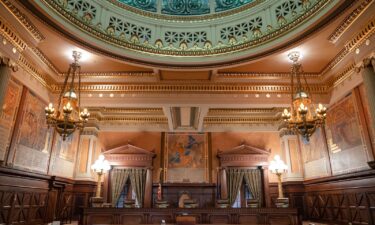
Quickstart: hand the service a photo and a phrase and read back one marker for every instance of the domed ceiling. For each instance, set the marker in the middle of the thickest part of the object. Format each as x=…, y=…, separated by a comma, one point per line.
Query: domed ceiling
x=188, y=33
x=184, y=7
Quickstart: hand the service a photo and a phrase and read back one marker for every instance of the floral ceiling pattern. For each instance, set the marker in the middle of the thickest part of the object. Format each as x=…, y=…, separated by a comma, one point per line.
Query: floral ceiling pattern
x=185, y=7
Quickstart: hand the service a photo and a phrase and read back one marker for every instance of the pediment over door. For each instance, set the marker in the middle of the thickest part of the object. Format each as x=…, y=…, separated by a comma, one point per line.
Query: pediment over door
x=243, y=156
x=129, y=156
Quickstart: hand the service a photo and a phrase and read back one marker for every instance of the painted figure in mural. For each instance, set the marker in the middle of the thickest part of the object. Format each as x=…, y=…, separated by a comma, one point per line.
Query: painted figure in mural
x=343, y=126
x=187, y=152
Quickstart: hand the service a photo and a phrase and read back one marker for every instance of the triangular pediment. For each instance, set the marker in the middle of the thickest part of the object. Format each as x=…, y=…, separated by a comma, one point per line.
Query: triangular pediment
x=243, y=149
x=129, y=149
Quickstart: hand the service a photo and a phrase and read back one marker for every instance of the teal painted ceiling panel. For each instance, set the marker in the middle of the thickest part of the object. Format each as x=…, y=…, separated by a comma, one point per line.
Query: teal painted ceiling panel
x=186, y=7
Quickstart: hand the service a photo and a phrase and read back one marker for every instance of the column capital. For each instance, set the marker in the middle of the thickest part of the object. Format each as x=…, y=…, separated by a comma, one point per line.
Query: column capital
x=368, y=62
x=90, y=131
x=286, y=132
x=5, y=61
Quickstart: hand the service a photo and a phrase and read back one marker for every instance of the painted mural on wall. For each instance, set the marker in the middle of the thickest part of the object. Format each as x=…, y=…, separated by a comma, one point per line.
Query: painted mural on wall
x=344, y=137
x=33, y=136
x=315, y=155
x=186, y=158
x=8, y=115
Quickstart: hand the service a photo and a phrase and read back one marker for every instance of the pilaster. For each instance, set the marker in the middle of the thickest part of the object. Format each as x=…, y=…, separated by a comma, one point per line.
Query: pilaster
x=368, y=75
x=88, y=152
x=291, y=153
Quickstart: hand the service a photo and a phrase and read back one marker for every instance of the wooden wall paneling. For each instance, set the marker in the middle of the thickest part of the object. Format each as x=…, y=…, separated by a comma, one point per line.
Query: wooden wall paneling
x=203, y=216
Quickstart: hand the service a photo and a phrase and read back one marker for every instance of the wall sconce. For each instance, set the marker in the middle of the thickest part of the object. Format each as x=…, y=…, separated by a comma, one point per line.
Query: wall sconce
x=278, y=167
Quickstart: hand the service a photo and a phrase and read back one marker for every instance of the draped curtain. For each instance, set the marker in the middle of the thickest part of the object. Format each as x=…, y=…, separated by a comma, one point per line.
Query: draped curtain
x=138, y=182
x=235, y=179
x=118, y=181
x=252, y=178
x=253, y=181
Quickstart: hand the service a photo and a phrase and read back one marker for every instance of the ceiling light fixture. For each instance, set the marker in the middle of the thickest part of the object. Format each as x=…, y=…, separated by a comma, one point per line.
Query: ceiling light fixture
x=302, y=117
x=69, y=116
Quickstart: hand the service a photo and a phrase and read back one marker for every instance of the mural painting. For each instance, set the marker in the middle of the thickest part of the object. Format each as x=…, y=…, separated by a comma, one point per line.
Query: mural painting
x=33, y=137
x=186, y=158
x=8, y=115
x=344, y=137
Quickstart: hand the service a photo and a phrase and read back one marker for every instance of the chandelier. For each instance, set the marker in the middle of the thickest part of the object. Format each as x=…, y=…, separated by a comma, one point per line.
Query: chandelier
x=68, y=116
x=303, y=117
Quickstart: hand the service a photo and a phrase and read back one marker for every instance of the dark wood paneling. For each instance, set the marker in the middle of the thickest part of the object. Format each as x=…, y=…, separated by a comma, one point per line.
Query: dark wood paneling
x=342, y=199
x=30, y=198
x=205, y=194
x=203, y=216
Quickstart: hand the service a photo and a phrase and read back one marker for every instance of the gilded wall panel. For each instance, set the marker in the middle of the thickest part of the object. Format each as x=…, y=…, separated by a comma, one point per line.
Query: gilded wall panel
x=8, y=115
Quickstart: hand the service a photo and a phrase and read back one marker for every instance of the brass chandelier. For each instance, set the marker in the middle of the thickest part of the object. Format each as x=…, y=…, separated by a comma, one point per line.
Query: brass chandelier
x=303, y=117
x=69, y=116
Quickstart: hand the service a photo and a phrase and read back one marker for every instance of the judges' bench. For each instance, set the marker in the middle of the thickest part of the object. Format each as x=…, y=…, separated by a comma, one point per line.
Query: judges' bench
x=249, y=216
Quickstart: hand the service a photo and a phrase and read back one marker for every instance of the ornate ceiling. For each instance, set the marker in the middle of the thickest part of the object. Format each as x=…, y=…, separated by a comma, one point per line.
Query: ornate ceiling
x=129, y=83
x=183, y=7
x=172, y=37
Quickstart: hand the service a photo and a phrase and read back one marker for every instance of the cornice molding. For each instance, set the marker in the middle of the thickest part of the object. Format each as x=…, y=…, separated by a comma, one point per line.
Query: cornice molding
x=44, y=59
x=242, y=111
x=45, y=80
x=27, y=24
x=349, y=20
x=361, y=36
x=258, y=75
x=111, y=75
x=8, y=32
x=197, y=88
x=342, y=76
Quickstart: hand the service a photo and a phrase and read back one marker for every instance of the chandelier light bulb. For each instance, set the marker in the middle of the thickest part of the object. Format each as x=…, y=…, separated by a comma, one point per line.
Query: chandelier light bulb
x=67, y=108
x=277, y=166
x=294, y=56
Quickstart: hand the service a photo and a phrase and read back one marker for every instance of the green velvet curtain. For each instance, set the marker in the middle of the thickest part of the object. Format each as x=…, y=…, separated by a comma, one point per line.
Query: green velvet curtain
x=118, y=180
x=253, y=181
x=138, y=182
x=234, y=182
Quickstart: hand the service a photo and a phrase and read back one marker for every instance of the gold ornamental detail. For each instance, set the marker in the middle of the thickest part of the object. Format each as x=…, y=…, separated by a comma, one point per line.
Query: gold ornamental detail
x=349, y=20
x=191, y=52
x=30, y=27
x=192, y=88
